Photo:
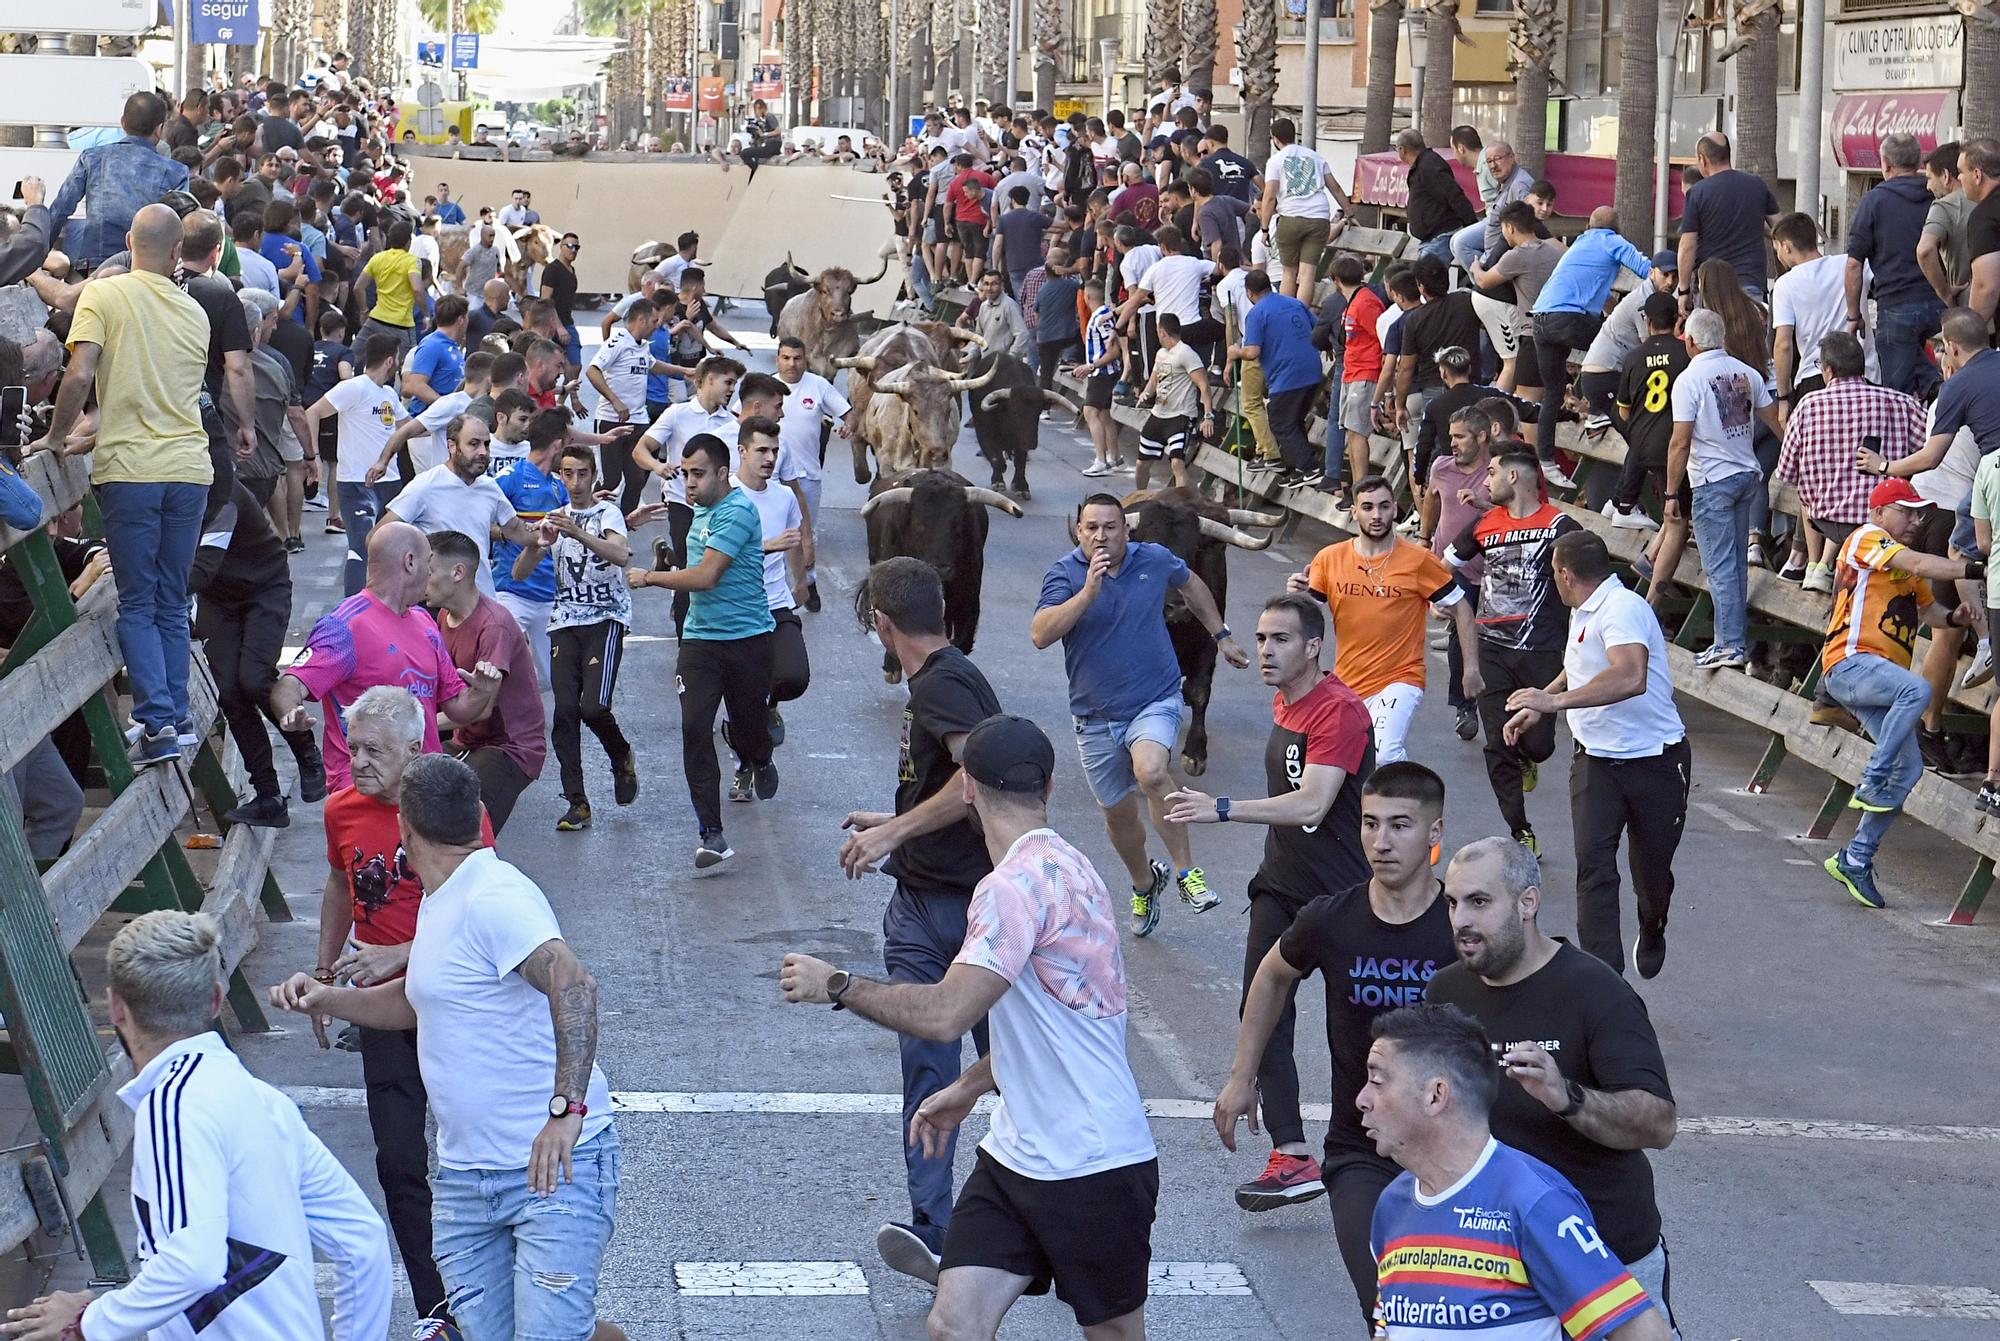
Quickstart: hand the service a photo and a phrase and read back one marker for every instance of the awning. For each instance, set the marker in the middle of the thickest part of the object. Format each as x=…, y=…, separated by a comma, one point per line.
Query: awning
x=1582, y=181
x=1862, y=120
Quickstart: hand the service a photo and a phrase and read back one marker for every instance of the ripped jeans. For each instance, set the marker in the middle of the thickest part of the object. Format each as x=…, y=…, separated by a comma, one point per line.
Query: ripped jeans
x=520, y=1266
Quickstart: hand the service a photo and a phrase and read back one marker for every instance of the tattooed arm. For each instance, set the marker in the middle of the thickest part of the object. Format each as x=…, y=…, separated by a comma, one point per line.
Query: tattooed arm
x=555, y=972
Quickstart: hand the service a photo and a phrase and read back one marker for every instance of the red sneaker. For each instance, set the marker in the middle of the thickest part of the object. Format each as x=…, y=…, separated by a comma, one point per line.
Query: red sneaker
x=1286, y=1181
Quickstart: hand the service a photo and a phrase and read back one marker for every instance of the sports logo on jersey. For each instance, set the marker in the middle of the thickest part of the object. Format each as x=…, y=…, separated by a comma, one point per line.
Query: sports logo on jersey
x=1585, y=1234
x=1479, y=1217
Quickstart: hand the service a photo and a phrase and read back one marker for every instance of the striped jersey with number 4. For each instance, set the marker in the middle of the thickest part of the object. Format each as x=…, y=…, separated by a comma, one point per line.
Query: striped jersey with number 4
x=1507, y=1253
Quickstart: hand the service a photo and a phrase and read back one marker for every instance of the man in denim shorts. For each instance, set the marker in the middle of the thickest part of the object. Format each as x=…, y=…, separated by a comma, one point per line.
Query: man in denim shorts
x=1105, y=601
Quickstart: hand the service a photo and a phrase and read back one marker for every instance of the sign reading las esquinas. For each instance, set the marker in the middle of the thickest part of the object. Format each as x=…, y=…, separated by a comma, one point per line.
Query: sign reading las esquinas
x=1918, y=51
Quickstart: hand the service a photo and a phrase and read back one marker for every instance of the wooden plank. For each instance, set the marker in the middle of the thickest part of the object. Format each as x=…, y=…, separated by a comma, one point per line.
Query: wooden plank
x=37, y=697
x=94, y=1148
x=233, y=893
x=62, y=481
x=1377, y=242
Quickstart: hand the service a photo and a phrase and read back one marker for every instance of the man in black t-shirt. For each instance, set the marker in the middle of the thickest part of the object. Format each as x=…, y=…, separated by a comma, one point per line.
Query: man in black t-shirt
x=1320, y=751
x=936, y=857
x=1235, y=175
x=1376, y=944
x=1584, y=1086
x=1645, y=413
x=1444, y=320
x=228, y=333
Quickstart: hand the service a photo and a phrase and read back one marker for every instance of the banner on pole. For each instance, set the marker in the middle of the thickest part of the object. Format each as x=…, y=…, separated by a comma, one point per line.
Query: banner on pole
x=680, y=94
x=223, y=23
x=767, y=81
x=429, y=51
x=712, y=97
x=465, y=51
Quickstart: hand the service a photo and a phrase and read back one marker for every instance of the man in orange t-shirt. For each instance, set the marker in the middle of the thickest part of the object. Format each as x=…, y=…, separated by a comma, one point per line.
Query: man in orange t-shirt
x=1377, y=587
x=1880, y=595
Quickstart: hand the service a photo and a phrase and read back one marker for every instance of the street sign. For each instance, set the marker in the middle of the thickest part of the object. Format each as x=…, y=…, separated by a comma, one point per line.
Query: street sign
x=431, y=51
x=70, y=90
x=222, y=23
x=123, y=17
x=465, y=51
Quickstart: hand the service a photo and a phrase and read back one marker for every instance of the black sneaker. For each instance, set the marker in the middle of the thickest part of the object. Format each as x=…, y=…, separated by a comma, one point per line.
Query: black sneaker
x=776, y=726
x=625, y=780
x=576, y=818
x=740, y=788
x=312, y=771
x=1649, y=952
x=1967, y=756
x=711, y=851
x=1935, y=749
x=767, y=780
x=263, y=812
x=1467, y=724
x=812, y=598
x=904, y=1249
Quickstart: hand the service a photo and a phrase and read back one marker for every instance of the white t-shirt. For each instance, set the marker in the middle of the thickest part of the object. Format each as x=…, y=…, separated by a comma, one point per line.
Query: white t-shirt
x=437, y=500
x=671, y=431
x=1633, y=728
x=1231, y=297
x=501, y=455
x=809, y=401
x=778, y=511
x=1174, y=394
x=669, y=271
x=589, y=590
x=1720, y=396
x=1175, y=283
x=1068, y=1104
x=437, y=417
x=258, y=273
x=1622, y=332
x=368, y=414
x=425, y=248
x=958, y=141
x=1949, y=482
x=1132, y=267
x=1812, y=300
x=1301, y=177
x=485, y=1043
x=624, y=364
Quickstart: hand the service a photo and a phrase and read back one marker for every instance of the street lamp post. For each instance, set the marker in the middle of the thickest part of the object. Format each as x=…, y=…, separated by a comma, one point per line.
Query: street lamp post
x=1309, y=98
x=1107, y=54
x=1419, y=47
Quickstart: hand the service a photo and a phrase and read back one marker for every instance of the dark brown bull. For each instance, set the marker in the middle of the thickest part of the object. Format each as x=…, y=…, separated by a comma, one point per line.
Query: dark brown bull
x=1198, y=532
x=1008, y=417
x=938, y=517
x=822, y=315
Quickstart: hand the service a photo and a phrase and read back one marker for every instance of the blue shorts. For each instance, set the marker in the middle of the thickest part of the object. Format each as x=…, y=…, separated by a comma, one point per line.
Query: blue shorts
x=1964, y=539
x=1105, y=746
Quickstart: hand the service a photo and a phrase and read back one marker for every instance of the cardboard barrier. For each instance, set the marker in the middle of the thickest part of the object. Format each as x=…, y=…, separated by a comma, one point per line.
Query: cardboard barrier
x=823, y=214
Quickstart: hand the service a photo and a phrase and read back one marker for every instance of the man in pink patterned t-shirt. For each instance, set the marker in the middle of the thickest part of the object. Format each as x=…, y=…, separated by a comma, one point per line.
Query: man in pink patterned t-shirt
x=1067, y=1180
x=381, y=636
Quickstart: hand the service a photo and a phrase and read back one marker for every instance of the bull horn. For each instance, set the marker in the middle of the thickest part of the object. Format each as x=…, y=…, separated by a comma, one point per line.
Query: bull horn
x=1215, y=530
x=993, y=398
x=902, y=494
x=793, y=266
x=859, y=283
x=992, y=499
x=865, y=362
x=970, y=337
x=1057, y=398
x=1131, y=519
x=1245, y=517
x=973, y=383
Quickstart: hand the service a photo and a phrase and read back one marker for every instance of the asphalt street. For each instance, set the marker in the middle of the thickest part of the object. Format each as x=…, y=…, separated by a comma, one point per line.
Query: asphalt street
x=1833, y=1065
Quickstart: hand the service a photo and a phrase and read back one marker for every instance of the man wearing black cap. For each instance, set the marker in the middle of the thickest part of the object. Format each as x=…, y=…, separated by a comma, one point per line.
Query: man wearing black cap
x=1068, y=1179
x=937, y=857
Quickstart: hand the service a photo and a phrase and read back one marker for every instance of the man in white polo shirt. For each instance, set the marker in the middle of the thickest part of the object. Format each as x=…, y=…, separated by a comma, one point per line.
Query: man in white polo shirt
x=460, y=496
x=1631, y=769
x=618, y=373
x=810, y=403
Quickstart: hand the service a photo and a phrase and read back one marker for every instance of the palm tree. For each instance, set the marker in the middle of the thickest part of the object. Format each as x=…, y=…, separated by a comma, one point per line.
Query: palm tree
x=1756, y=47
x=991, y=60
x=291, y=29
x=944, y=36
x=1048, y=18
x=871, y=56
x=1163, y=40
x=1257, y=57
x=1385, y=27
x=1441, y=32
x=1198, y=36
x=1982, y=69
x=1638, y=105
x=1536, y=34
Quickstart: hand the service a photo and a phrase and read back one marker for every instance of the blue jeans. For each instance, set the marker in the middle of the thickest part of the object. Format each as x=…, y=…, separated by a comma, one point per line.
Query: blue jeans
x=1439, y=246
x=573, y=348
x=1767, y=446
x=1722, y=511
x=1890, y=701
x=516, y=1265
x=1469, y=243
x=921, y=935
x=1900, y=332
x=151, y=531
x=920, y=278
x=361, y=506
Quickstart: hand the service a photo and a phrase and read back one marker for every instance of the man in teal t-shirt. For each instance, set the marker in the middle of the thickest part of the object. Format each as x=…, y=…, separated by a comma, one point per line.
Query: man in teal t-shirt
x=725, y=651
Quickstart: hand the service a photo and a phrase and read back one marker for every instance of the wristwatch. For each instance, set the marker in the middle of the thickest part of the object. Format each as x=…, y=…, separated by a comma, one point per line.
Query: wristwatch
x=1223, y=633
x=562, y=1106
x=837, y=983
x=1222, y=809
x=1575, y=1092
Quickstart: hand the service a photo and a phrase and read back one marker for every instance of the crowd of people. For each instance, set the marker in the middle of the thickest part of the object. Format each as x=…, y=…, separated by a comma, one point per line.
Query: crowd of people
x=489, y=481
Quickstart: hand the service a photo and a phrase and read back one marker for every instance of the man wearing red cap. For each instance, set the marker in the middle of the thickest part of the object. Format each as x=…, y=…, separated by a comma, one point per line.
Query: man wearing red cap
x=1881, y=590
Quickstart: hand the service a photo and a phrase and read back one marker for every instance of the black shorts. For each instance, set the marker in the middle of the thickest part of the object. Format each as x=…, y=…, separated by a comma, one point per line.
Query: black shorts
x=1091, y=1236
x=1097, y=392
x=1166, y=435
x=972, y=237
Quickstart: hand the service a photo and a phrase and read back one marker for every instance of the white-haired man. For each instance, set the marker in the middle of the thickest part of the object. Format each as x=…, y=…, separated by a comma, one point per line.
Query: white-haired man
x=231, y=1192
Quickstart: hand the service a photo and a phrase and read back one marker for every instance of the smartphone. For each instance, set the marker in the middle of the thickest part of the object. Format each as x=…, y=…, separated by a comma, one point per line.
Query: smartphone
x=1872, y=443
x=13, y=405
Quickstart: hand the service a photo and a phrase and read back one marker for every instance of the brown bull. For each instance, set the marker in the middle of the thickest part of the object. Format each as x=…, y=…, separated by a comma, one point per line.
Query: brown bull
x=823, y=315
x=929, y=348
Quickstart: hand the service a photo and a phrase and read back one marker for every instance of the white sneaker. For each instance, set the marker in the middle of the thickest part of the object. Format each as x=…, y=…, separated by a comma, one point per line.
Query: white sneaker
x=1096, y=468
x=1634, y=520
x=1819, y=577
x=1556, y=475
x=1596, y=424
x=1754, y=556
x=1720, y=658
x=1411, y=524
x=1981, y=669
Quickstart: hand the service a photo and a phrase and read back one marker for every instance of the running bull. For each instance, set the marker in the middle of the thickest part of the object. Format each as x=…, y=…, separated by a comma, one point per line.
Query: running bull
x=1007, y=418
x=935, y=516
x=821, y=313
x=905, y=400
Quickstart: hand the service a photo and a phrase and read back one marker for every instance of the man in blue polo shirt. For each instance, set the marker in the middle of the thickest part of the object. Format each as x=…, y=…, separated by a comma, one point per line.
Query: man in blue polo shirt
x=1105, y=601
x=725, y=654
x=1278, y=334
x=438, y=366
x=535, y=492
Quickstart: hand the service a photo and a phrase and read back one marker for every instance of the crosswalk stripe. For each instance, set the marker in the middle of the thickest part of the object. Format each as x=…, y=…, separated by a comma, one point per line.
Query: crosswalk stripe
x=1879, y=1299
x=726, y=1103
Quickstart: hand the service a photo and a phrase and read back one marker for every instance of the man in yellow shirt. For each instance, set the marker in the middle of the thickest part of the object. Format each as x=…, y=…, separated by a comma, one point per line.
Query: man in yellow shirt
x=143, y=344
x=391, y=281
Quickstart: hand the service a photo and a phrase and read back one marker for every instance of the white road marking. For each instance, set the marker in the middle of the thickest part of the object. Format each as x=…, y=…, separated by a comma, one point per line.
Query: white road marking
x=1877, y=1299
x=646, y=638
x=724, y=1103
x=1715, y=811
x=1800, y=861
x=768, y=1279
x=1195, y=1278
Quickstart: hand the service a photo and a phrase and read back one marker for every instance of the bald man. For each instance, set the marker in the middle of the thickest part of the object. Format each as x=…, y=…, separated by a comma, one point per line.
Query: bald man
x=142, y=344
x=381, y=635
